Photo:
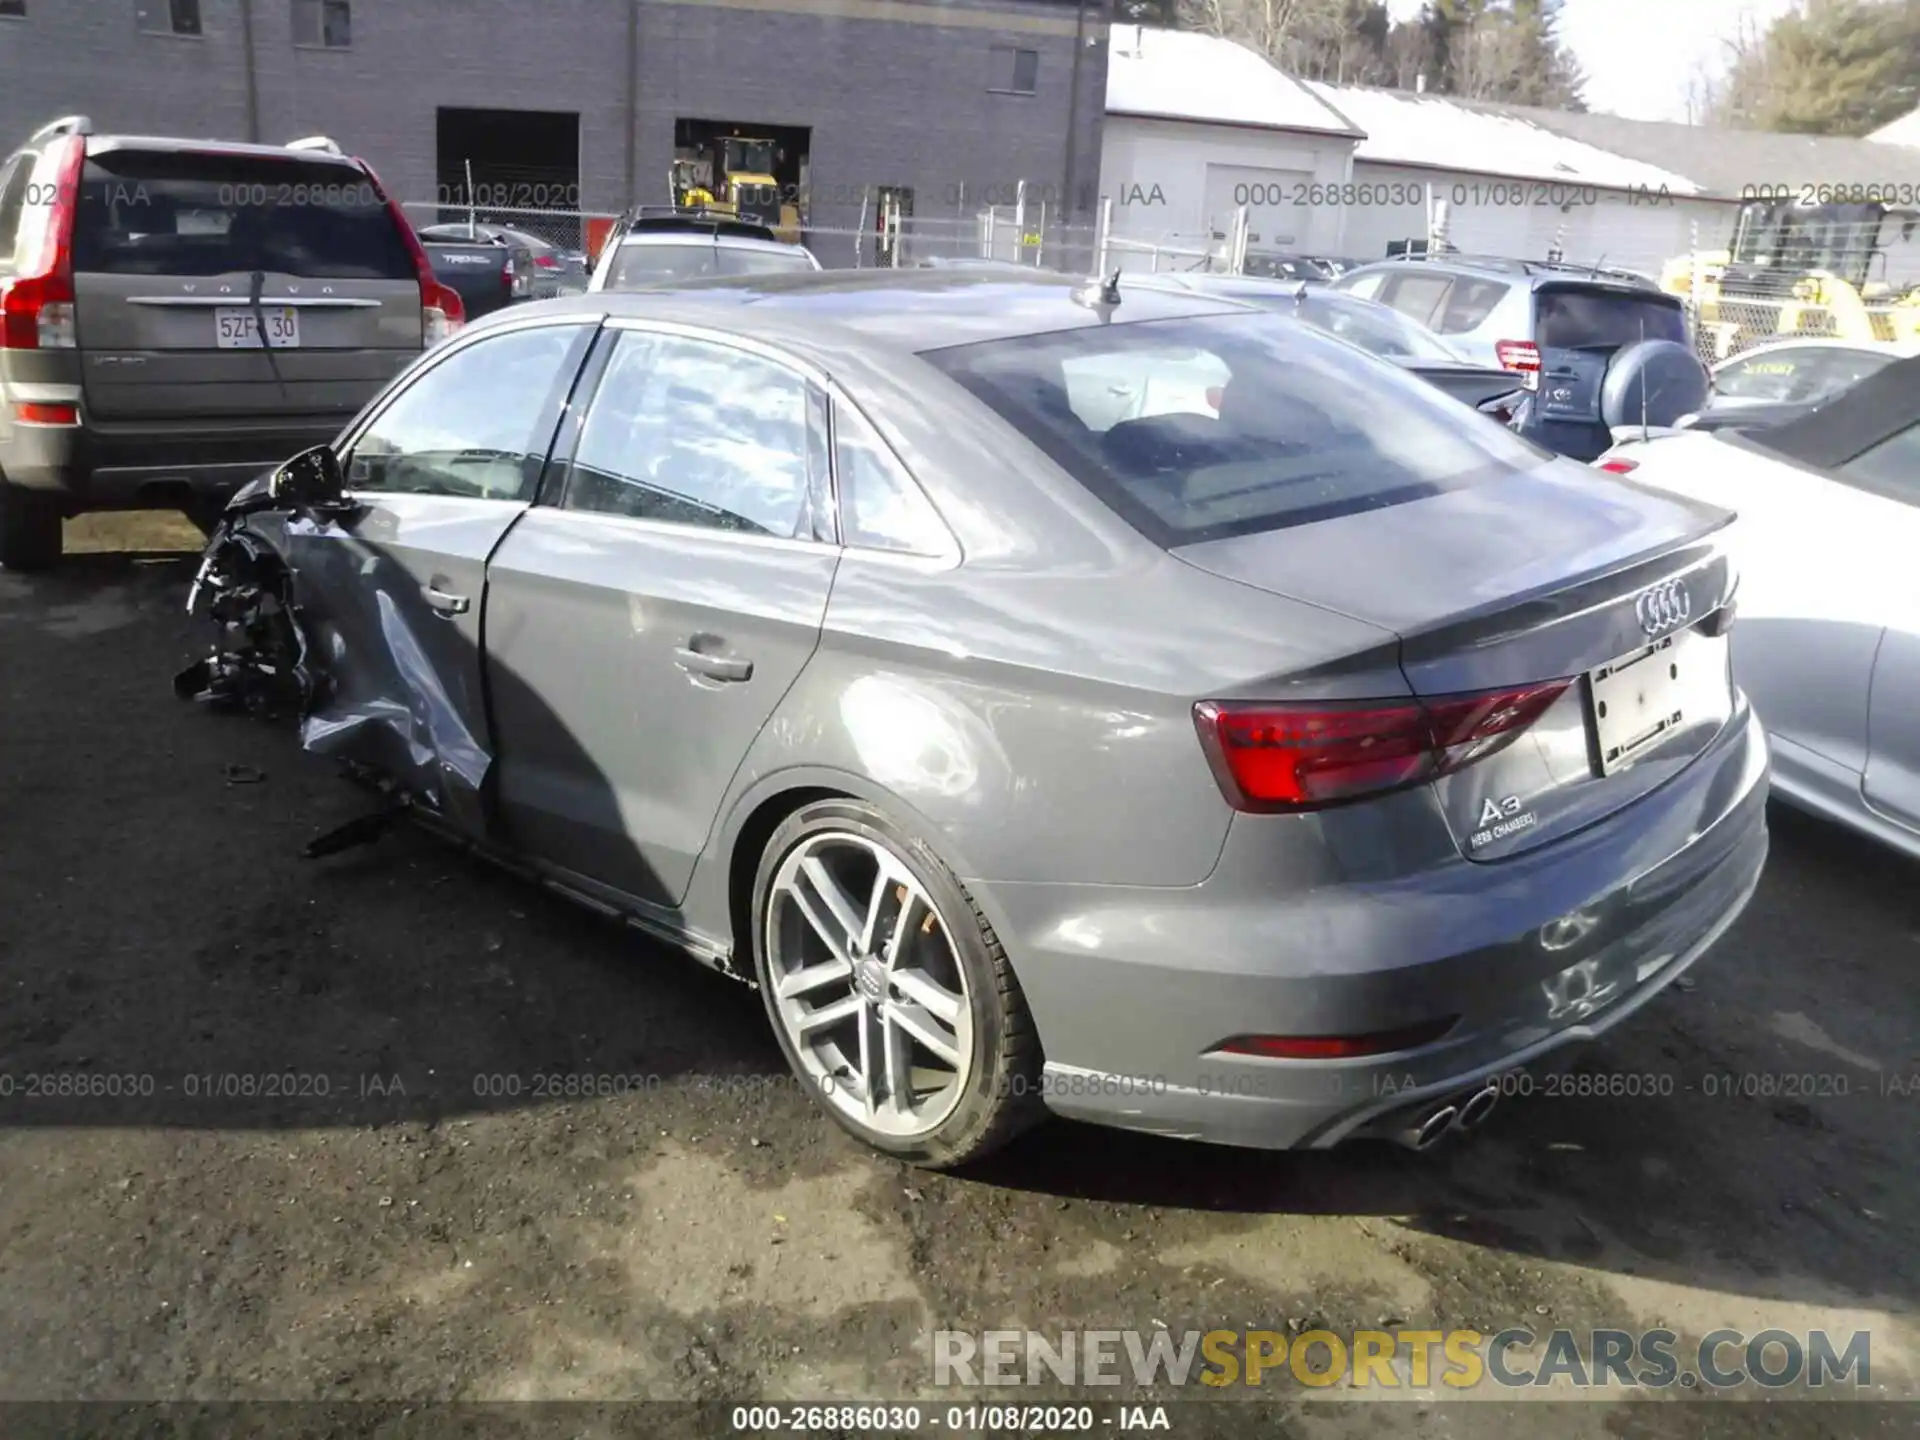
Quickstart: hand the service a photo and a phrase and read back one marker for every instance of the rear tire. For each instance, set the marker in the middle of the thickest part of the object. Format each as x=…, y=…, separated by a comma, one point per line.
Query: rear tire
x=908, y=1027
x=30, y=528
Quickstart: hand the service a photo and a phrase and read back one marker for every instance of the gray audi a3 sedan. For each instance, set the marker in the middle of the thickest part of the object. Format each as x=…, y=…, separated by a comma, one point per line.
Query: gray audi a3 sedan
x=1051, y=696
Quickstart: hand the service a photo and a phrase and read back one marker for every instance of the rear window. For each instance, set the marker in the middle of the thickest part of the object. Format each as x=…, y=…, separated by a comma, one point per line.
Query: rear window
x=1196, y=429
x=147, y=213
x=641, y=267
x=1581, y=319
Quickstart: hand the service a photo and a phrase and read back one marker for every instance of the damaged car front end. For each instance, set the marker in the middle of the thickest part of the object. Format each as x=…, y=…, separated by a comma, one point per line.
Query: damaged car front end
x=345, y=661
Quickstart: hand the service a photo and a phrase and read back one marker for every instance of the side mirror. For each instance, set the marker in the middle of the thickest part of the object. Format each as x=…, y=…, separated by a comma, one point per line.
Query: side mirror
x=311, y=480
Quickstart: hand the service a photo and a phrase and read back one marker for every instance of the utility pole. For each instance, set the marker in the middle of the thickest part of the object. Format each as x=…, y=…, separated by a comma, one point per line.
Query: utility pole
x=253, y=80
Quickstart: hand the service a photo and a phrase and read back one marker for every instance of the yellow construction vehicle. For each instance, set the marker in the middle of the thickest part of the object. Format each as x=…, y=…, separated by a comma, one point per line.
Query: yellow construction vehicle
x=735, y=175
x=1797, y=269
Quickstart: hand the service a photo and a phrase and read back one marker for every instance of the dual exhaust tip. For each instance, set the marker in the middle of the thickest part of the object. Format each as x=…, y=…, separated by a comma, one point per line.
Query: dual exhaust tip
x=1458, y=1114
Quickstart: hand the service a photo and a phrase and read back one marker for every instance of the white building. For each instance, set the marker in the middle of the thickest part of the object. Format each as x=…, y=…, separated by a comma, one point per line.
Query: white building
x=1197, y=127
x=1503, y=185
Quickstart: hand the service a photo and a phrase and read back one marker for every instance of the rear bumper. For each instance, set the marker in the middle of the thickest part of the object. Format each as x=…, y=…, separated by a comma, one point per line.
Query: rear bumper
x=136, y=467
x=1134, y=990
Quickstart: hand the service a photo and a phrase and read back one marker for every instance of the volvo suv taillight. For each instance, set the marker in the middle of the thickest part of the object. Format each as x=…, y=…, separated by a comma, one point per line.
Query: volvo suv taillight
x=36, y=304
x=1522, y=357
x=1271, y=757
x=441, y=310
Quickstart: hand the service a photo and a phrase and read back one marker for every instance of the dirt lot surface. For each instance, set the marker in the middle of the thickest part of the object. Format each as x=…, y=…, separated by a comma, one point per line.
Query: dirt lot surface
x=413, y=1221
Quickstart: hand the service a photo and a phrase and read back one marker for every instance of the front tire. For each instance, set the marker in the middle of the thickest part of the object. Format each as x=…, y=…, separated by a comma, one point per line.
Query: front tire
x=30, y=529
x=889, y=991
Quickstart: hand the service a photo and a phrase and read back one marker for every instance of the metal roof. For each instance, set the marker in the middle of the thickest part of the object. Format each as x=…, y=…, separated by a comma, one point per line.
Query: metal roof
x=1184, y=75
x=1439, y=132
x=1731, y=164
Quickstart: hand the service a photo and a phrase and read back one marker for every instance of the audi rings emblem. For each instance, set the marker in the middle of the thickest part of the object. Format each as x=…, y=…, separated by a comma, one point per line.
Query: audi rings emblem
x=1663, y=607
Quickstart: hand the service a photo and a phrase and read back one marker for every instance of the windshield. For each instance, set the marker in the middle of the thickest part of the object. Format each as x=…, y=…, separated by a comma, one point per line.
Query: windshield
x=1812, y=373
x=1197, y=429
x=648, y=267
x=750, y=157
x=160, y=213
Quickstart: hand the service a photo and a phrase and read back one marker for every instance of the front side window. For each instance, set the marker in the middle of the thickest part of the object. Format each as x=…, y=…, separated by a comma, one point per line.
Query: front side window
x=472, y=425
x=1247, y=423
x=693, y=433
x=648, y=267
x=1367, y=287
x=881, y=508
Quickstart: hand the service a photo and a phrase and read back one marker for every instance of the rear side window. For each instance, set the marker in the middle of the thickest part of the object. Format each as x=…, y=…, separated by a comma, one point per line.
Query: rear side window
x=15, y=179
x=1417, y=296
x=1197, y=429
x=1891, y=468
x=643, y=267
x=1577, y=319
x=1469, y=304
x=154, y=213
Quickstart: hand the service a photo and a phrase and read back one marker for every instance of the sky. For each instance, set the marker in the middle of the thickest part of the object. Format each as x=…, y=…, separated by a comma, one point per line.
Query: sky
x=1640, y=54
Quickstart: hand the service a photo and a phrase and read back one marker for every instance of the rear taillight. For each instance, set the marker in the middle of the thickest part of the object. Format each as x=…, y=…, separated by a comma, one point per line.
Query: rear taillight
x=546, y=262
x=1617, y=467
x=1522, y=357
x=32, y=413
x=441, y=310
x=36, y=305
x=1283, y=757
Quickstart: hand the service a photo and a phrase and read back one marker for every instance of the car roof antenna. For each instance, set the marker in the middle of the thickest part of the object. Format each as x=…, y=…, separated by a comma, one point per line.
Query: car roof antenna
x=1595, y=274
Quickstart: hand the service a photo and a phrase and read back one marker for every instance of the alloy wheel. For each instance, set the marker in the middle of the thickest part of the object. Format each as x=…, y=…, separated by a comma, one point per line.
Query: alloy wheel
x=867, y=984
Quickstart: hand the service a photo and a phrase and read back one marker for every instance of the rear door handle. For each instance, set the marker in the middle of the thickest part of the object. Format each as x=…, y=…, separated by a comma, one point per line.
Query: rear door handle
x=443, y=602
x=713, y=667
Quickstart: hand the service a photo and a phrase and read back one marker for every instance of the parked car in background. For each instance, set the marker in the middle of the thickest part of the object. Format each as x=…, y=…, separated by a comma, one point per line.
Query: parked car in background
x=1313, y=756
x=138, y=277
x=1285, y=267
x=1378, y=329
x=652, y=252
x=1828, y=541
x=1596, y=348
x=1800, y=371
x=486, y=274
x=556, y=270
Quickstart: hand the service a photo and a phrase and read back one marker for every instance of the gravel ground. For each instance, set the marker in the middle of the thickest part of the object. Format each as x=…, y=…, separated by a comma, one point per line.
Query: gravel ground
x=410, y=1219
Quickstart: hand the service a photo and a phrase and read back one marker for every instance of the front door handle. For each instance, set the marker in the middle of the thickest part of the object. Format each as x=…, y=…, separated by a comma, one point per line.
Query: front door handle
x=443, y=602
x=713, y=667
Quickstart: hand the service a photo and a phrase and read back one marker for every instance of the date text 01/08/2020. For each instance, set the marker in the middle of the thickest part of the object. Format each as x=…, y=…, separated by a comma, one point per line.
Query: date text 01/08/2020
x=1365, y=193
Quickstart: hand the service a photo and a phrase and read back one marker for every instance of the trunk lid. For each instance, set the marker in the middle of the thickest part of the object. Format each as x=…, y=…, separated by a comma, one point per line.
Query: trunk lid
x=1545, y=574
x=1472, y=385
x=180, y=257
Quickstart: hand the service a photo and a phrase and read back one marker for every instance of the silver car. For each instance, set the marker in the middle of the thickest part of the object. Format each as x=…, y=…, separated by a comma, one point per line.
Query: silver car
x=1269, y=772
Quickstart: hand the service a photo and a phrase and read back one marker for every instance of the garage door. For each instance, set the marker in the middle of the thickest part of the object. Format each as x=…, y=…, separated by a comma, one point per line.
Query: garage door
x=1276, y=218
